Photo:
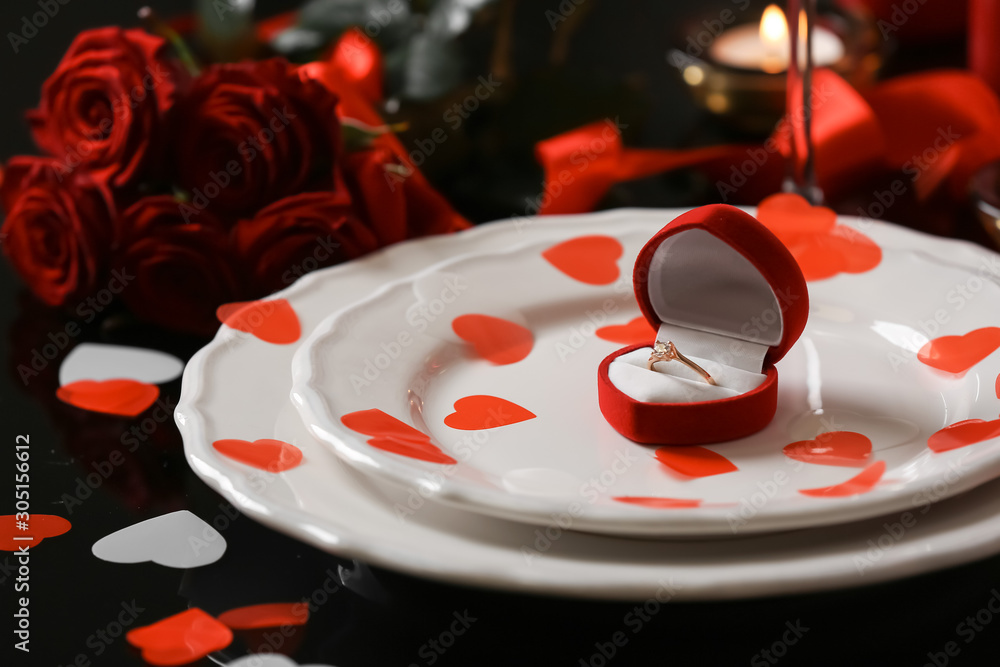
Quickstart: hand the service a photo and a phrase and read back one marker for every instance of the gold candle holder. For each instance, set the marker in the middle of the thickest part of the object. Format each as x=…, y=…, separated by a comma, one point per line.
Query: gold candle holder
x=753, y=100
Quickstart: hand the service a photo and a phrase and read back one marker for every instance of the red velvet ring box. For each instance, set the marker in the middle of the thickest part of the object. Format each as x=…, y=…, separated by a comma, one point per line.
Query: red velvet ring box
x=732, y=299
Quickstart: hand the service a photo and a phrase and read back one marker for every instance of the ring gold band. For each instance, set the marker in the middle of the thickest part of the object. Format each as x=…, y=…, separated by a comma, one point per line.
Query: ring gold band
x=668, y=352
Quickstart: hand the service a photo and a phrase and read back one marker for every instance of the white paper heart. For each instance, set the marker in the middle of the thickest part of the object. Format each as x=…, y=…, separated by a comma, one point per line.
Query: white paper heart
x=179, y=539
x=97, y=361
x=268, y=660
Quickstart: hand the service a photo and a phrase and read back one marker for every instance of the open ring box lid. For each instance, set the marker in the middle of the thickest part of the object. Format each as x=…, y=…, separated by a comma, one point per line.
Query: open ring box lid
x=732, y=298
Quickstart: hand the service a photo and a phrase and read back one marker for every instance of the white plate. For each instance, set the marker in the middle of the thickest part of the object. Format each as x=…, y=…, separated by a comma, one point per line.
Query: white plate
x=847, y=372
x=238, y=387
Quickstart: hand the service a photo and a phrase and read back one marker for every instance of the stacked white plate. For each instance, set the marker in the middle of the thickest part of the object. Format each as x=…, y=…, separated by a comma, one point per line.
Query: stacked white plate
x=443, y=394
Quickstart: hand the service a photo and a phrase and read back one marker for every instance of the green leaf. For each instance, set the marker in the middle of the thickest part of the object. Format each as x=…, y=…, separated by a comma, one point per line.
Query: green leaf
x=226, y=27
x=359, y=136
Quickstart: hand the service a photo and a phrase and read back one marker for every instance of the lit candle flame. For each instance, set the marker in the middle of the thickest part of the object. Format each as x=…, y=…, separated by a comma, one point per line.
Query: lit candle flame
x=774, y=37
x=773, y=27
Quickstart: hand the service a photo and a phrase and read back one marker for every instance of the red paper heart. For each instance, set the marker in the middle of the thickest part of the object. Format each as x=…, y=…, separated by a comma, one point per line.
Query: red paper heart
x=122, y=397
x=694, y=461
x=377, y=423
x=963, y=434
x=271, y=320
x=589, y=259
x=39, y=527
x=272, y=615
x=266, y=454
x=957, y=354
x=422, y=451
x=863, y=482
x=837, y=448
x=787, y=214
x=392, y=435
x=843, y=250
x=494, y=339
x=655, y=502
x=636, y=332
x=181, y=638
x=474, y=413
x=821, y=247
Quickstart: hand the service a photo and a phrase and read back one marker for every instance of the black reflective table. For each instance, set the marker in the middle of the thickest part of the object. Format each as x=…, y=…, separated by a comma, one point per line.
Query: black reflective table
x=104, y=473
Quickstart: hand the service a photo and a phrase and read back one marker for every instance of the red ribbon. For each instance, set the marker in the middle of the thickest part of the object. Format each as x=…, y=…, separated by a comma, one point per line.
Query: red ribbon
x=938, y=128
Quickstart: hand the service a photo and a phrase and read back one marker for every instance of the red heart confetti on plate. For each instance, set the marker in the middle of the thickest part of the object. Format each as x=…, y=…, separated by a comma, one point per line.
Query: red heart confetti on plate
x=957, y=354
x=863, y=482
x=474, y=413
x=422, y=451
x=123, y=397
x=655, y=502
x=962, y=434
x=636, y=332
x=843, y=250
x=374, y=422
x=589, y=259
x=266, y=454
x=38, y=527
x=181, y=638
x=392, y=435
x=836, y=448
x=694, y=461
x=270, y=320
x=787, y=214
x=821, y=247
x=495, y=339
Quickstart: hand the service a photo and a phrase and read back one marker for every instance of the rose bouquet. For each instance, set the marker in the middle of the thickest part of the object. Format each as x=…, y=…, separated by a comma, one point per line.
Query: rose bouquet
x=182, y=188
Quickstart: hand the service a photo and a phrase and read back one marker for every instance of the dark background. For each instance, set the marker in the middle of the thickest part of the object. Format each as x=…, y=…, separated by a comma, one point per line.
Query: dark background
x=74, y=594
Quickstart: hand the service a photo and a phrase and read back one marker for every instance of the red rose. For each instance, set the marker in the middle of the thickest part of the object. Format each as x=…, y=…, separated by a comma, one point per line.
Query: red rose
x=105, y=104
x=57, y=233
x=298, y=234
x=178, y=273
x=397, y=203
x=250, y=133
